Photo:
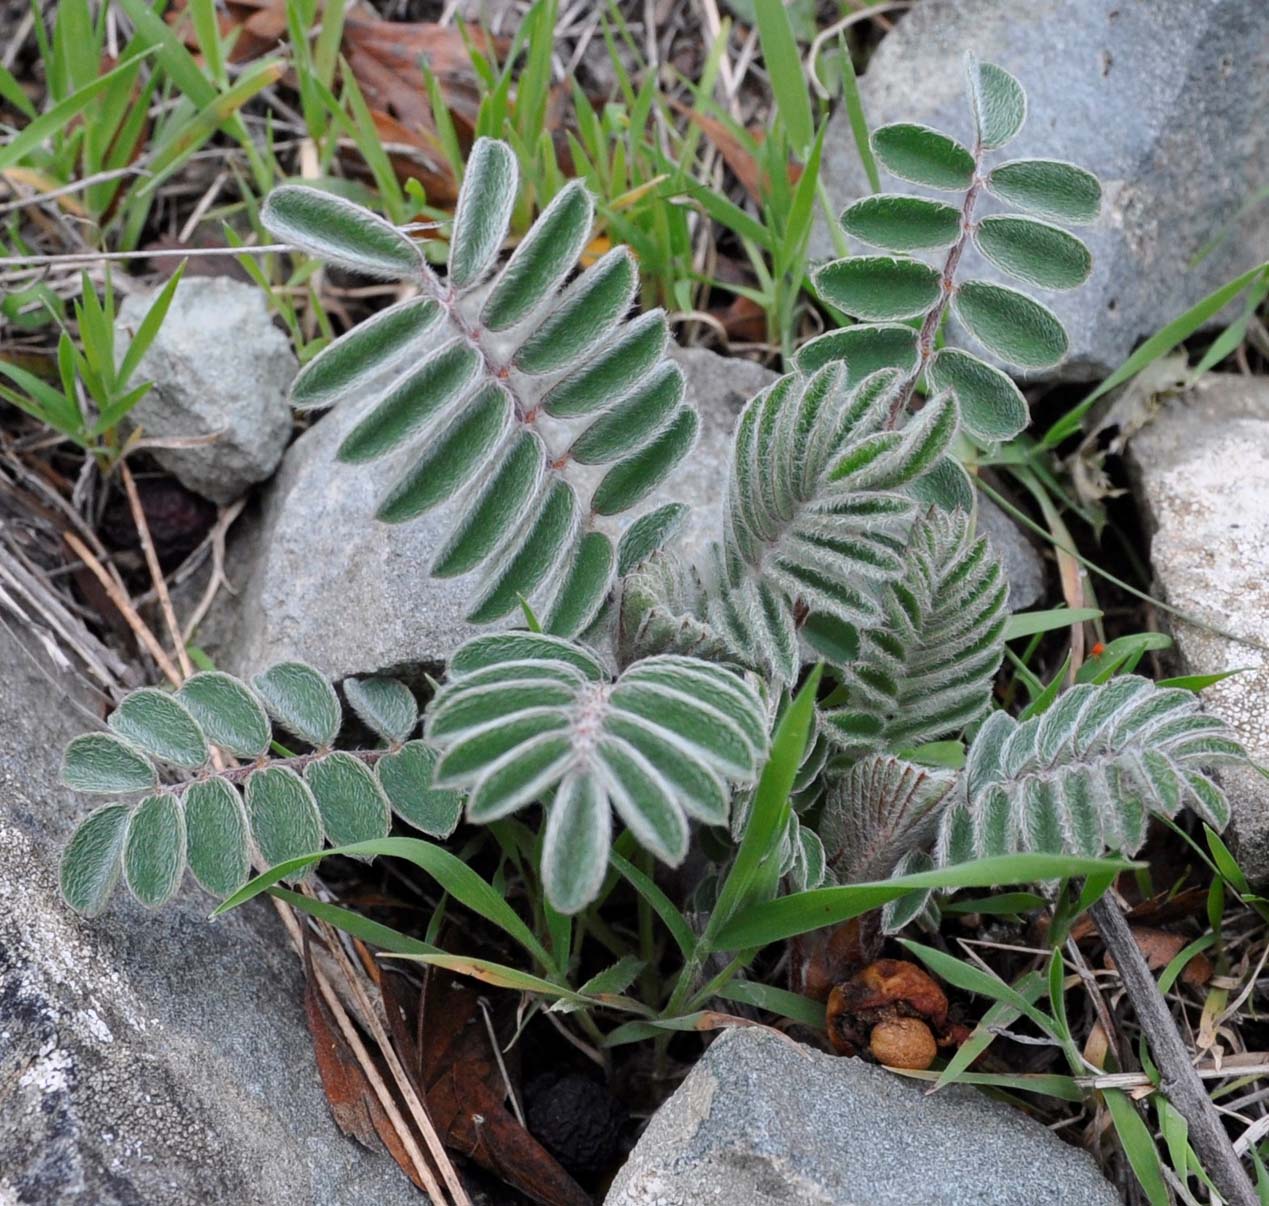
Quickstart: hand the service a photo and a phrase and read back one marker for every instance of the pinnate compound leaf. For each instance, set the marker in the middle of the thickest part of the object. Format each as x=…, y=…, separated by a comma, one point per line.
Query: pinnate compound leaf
x=1048, y=187
x=527, y=715
x=879, y=811
x=926, y=671
x=587, y=311
x=406, y=779
x=642, y=471
x=879, y=287
x=1088, y=773
x=1010, y=325
x=216, y=836
x=154, y=849
x=352, y=807
x=91, y=863
x=546, y=256
x=384, y=705
x=108, y=765
x=285, y=822
x=902, y=223
x=1036, y=252
x=923, y=156
x=998, y=102
x=302, y=701
x=414, y=399
x=611, y=372
x=339, y=232
x=353, y=362
x=864, y=349
x=992, y=406
x=647, y=534
x=157, y=723
x=228, y=711
x=483, y=212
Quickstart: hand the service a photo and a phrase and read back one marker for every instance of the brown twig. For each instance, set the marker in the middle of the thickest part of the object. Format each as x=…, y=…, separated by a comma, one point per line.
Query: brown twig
x=1178, y=1078
x=119, y=597
x=405, y=1084
x=156, y=573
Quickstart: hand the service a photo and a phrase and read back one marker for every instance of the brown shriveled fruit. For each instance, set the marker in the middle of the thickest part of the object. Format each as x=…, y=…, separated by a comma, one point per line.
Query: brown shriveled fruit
x=903, y=1043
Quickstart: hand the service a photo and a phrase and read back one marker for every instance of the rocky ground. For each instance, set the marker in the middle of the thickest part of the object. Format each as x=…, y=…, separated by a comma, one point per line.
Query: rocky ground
x=159, y=1058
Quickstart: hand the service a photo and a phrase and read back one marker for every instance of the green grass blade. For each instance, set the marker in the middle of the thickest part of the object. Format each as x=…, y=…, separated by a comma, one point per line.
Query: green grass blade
x=58, y=117
x=768, y=814
x=784, y=68
x=1157, y=345
x=459, y=880
x=352, y=922
x=1138, y=1146
x=799, y=913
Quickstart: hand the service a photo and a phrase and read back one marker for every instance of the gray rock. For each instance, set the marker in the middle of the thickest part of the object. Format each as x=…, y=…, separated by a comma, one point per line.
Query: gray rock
x=1201, y=468
x=220, y=368
x=324, y=581
x=145, y=1057
x=761, y=1120
x=1023, y=565
x=1163, y=99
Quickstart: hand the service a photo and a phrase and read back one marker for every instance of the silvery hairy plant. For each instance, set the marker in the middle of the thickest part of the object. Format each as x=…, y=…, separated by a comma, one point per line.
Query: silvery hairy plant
x=523, y=395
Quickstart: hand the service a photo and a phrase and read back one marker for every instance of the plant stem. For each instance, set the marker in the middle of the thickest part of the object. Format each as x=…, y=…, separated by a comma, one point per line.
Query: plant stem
x=930, y=325
x=1178, y=1079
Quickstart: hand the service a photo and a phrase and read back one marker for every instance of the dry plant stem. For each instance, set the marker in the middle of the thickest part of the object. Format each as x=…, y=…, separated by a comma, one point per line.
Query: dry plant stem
x=1179, y=1080
x=930, y=327
x=358, y=1048
x=156, y=573
x=118, y=596
x=418, y=1111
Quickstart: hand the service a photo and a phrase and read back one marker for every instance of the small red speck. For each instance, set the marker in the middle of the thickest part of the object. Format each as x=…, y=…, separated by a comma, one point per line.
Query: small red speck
x=1098, y=649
